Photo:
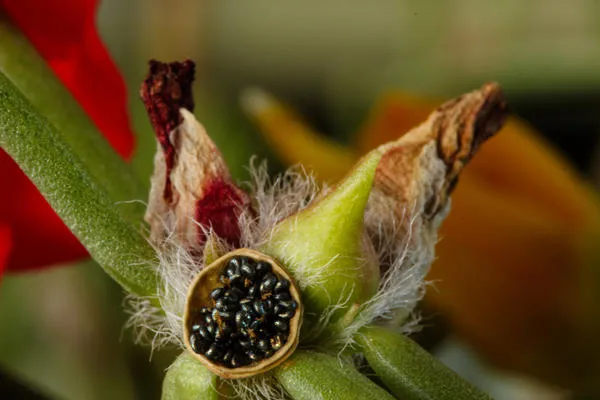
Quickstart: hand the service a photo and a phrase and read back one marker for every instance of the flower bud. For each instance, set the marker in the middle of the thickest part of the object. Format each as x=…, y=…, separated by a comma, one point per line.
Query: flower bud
x=326, y=248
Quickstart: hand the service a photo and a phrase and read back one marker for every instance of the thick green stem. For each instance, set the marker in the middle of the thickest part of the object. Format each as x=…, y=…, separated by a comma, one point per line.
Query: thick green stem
x=24, y=67
x=410, y=372
x=76, y=194
x=307, y=376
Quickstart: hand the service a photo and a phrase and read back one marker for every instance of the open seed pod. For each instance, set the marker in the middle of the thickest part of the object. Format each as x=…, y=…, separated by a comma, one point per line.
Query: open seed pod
x=243, y=315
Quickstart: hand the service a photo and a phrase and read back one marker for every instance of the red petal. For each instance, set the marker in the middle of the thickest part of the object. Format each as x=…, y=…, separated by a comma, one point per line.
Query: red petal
x=5, y=245
x=64, y=33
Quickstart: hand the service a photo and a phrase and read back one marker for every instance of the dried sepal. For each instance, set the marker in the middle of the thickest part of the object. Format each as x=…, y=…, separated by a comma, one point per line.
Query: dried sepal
x=192, y=190
x=209, y=297
x=421, y=169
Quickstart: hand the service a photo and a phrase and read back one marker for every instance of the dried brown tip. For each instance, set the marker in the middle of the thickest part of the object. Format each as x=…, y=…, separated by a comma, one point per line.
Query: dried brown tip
x=452, y=134
x=166, y=89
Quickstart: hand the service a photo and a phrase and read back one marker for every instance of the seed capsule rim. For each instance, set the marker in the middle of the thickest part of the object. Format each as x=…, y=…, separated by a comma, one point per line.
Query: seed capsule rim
x=199, y=296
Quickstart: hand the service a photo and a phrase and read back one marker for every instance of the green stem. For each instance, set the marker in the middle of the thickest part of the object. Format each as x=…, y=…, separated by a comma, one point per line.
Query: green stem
x=307, y=376
x=24, y=67
x=76, y=194
x=410, y=372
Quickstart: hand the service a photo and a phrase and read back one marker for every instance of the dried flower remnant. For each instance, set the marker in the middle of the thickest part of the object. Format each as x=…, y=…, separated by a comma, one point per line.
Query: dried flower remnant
x=192, y=189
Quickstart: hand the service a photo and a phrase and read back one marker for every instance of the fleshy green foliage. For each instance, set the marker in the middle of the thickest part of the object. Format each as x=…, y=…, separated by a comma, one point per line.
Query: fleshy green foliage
x=24, y=67
x=308, y=376
x=323, y=244
x=409, y=371
x=188, y=379
x=75, y=192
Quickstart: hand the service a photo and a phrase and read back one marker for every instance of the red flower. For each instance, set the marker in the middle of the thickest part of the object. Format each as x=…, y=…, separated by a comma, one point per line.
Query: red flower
x=64, y=33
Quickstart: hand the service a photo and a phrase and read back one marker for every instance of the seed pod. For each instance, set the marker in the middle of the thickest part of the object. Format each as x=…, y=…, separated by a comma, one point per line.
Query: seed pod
x=226, y=318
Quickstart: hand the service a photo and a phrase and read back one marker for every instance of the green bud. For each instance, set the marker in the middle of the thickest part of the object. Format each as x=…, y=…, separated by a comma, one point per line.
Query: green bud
x=325, y=246
x=188, y=379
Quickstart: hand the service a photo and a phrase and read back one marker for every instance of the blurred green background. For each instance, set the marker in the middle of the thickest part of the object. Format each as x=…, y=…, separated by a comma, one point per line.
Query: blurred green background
x=62, y=329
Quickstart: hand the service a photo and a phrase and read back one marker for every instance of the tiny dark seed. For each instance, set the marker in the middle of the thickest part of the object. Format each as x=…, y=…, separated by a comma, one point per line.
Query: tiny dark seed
x=282, y=285
x=268, y=283
x=262, y=268
x=196, y=343
x=253, y=355
x=233, y=266
x=205, y=333
x=288, y=305
x=204, y=310
x=257, y=325
x=239, y=360
x=253, y=291
x=211, y=328
x=287, y=314
x=248, y=271
x=217, y=293
x=245, y=344
x=283, y=296
x=277, y=342
x=195, y=327
x=227, y=357
x=236, y=280
x=223, y=304
x=263, y=345
x=268, y=353
x=235, y=293
x=213, y=352
x=261, y=307
x=281, y=325
x=208, y=319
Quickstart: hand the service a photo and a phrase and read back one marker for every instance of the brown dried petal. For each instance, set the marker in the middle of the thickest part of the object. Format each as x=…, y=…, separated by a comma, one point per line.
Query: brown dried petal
x=419, y=171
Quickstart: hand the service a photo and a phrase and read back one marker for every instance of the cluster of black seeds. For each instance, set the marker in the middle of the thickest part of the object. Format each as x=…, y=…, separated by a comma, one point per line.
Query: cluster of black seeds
x=250, y=317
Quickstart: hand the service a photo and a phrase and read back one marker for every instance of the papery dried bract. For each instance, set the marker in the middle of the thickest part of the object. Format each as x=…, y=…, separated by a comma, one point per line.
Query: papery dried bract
x=203, y=195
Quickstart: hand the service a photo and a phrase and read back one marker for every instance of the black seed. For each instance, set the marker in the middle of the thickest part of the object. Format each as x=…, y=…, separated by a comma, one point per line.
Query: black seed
x=268, y=353
x=263, y=345
x=196, y=342
x=213, y=352
x=248, y=271
x=257, y=325
x=205, y=333
x=243, y=319
x=253, y=355
x=262, y=307
x=221, y=305
x=227, y=357
x=239, y=360
x=283, y=296
x=253, y=291
x=211, y=328
x=286, y=314
x=262, y=268
x=281, y=325
x=217, y=293
x=234, y=294
x=268, y=283
x=277, y=342
x=204, y=310
x=195, y=327
x=282, y=285
x=236, y=280
x=246, y=344
x=288, y=305
x=208, y=319
x=233, y=266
